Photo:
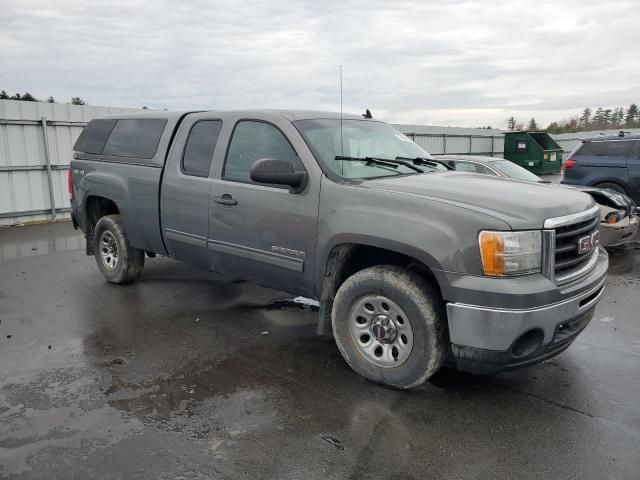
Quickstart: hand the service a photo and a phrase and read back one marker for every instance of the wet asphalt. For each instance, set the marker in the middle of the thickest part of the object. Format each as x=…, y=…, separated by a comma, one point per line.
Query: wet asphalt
x=189, y=375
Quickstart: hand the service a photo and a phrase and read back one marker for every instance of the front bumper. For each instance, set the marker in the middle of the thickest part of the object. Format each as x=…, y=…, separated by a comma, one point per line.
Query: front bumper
x=618, y=233
x=489, y=339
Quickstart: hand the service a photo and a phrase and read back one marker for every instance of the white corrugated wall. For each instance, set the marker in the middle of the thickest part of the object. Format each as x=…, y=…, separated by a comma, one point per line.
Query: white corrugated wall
x=24, y=184
x=455, y=140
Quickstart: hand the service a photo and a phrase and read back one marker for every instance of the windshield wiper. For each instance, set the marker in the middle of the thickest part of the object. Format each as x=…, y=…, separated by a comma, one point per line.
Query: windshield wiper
x=382, y=161
x=425, y=161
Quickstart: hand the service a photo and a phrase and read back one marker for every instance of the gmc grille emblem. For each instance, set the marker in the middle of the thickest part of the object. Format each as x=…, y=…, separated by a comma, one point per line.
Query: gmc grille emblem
x=587, y=243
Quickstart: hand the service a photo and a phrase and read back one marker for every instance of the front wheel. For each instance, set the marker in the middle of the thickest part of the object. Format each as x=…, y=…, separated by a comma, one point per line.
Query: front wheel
x=118, y=261
x=389, y=326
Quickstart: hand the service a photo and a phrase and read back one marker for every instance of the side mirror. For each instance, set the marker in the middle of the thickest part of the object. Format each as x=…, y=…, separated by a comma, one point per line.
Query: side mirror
x=278, y=172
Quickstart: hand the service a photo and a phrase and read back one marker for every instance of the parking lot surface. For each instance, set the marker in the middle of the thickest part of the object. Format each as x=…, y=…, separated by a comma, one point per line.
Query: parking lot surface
x=187, y=374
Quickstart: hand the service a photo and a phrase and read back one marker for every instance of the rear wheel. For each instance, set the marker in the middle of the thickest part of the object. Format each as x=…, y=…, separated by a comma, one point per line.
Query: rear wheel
x=612, y=186
x=389, y=326
x=118, y=261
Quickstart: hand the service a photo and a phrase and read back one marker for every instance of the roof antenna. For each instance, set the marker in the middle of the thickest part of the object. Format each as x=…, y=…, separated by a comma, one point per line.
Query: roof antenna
x=341, y=141
x=341, y=144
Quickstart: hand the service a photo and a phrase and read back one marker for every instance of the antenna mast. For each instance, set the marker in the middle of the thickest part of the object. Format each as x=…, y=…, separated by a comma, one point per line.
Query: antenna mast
x=341, y=142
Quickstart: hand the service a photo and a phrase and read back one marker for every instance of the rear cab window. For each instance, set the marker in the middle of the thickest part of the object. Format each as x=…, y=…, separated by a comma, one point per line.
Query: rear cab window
x=94, y=136
x=198, y=151
x=137, y=138
x=130, y=138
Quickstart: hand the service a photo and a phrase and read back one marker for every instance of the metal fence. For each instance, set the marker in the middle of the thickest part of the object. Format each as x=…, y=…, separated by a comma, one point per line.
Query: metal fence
x=459, y=144
x=36, y=141
x=20, y=178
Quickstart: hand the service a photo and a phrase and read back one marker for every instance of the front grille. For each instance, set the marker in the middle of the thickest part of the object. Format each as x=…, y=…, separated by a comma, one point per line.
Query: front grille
x=569, y=263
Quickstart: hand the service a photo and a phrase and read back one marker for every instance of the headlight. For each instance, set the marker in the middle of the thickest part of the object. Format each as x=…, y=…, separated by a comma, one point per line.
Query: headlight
x=511, y=253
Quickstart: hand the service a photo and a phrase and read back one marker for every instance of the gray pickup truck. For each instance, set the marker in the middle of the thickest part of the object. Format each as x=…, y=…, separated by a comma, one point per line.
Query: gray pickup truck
x=414, y=265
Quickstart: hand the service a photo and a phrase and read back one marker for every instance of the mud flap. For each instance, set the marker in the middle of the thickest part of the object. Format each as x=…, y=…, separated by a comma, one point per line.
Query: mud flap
x=333, y=277
x=89, y=250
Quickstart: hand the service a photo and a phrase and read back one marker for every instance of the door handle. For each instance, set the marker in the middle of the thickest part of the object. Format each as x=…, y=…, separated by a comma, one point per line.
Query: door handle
x=225, y=199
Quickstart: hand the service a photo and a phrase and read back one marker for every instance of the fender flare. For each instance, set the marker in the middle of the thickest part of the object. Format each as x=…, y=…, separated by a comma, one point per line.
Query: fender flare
x=337, y=253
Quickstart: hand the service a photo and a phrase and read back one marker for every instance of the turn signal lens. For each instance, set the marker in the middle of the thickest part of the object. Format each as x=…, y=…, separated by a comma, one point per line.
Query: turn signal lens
x=70, y=183
x=615, y=217
x=492, y=250
x=510, y=253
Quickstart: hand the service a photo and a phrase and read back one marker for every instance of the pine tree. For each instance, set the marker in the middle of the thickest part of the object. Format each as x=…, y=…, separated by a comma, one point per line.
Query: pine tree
x=17, y=96
x=572, y=124
x=77, y=101
x=512, y=124
x=4, y=95
x=598, y=118
x=51, y=100
x=606, y=118
x=585, y=118
x=554, y=128
x=632, y=118
x=617, y=117
x=27, y=97
x=533, y=126
x=621, y=113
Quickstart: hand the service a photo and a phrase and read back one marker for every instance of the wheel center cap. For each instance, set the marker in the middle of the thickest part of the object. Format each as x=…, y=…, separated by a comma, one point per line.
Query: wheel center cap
x=383, y=329
x=379, y=331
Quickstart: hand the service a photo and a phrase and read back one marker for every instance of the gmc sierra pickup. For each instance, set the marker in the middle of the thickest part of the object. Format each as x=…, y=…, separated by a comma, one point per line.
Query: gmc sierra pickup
x=414, y=265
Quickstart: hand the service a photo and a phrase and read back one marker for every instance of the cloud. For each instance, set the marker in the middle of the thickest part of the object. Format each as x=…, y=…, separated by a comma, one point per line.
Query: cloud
x=455, y=63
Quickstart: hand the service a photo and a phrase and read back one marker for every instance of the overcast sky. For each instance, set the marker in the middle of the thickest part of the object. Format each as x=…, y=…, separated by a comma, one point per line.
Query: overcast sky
x=466, y=63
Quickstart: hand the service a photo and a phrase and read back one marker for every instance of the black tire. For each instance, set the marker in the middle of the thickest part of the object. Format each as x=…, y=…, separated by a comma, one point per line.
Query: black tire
x=424, y=309
x=612, y=186
x=129, y=261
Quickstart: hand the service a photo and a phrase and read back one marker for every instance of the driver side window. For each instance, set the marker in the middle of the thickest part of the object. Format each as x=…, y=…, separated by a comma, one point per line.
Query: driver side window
x=254, y=140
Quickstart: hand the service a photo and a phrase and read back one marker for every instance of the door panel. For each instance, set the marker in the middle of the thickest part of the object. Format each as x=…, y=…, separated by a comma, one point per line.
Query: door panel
x=186, y=192
x=263, y=233
x=268, y=237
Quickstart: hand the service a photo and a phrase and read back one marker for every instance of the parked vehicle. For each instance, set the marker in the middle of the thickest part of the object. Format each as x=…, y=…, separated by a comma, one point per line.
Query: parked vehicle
x=606, y=162
x=413, y=266
x=618, y=213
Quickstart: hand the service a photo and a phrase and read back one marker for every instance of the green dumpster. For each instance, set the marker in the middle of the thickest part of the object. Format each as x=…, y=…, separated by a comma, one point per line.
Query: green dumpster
x=535, y=151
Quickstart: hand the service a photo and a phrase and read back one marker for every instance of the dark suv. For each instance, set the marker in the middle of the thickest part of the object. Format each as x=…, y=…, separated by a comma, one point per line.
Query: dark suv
x=606, y=162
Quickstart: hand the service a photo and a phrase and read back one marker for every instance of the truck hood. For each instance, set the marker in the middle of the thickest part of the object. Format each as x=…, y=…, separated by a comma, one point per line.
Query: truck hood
x=522, y=205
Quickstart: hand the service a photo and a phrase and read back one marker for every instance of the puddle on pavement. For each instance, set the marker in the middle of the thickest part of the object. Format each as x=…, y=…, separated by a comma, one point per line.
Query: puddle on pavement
x=34, y=240
x=60, y=408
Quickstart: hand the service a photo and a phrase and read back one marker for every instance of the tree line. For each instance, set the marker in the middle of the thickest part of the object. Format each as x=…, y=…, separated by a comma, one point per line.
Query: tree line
x=27, y=97
x=588, y=120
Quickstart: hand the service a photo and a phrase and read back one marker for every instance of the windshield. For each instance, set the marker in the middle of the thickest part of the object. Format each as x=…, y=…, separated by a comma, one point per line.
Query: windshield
x=514, y=171
x=361, y=139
